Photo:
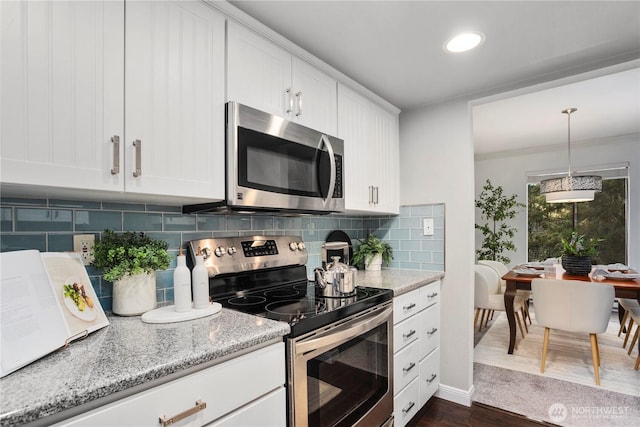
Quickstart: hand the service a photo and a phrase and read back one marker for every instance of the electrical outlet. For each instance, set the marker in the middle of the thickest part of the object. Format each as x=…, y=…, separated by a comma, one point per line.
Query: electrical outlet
x=83, y=244
x=427, y=226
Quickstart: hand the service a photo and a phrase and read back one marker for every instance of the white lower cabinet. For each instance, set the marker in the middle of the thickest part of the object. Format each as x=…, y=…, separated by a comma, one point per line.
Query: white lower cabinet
x=416, y=342
x=247, y=390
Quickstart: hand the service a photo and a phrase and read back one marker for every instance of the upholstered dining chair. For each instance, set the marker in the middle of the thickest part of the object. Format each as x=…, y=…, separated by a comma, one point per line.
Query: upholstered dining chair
x=502, y=269
x=488, y=298
x=632, y=312
x=573, y=306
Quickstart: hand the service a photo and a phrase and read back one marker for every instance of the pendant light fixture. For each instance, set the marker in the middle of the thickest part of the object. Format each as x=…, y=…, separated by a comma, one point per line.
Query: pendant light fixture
x=570, y=188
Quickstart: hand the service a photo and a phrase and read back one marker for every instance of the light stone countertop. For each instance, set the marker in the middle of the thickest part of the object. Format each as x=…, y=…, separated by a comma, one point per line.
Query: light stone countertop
x=126, y=354
x=400, y=281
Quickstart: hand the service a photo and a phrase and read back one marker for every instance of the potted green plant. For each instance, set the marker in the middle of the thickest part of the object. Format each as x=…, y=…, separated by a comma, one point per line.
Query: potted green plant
x=129, y=260
x=577, y=252
x=371, y=253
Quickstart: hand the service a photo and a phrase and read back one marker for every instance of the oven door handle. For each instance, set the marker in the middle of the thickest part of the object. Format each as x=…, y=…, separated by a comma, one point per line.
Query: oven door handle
x=324, y=139
x=334, y=337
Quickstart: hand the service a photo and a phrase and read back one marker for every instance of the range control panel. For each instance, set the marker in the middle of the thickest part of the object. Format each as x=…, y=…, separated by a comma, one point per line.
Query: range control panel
x=225, y=255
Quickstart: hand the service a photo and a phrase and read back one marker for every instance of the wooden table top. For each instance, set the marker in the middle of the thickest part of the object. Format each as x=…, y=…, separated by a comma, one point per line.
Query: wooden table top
x=619, y=284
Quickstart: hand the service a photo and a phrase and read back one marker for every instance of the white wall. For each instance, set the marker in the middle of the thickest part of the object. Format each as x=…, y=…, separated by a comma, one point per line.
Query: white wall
x=436, y=166
x=509, y=170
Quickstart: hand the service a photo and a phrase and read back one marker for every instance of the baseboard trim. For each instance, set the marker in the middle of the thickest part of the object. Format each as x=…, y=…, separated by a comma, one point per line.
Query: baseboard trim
x=455, y=395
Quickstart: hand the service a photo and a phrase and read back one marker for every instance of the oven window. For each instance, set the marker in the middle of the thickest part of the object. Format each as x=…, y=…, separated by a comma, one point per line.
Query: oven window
x=345, y=382
x=269, y=163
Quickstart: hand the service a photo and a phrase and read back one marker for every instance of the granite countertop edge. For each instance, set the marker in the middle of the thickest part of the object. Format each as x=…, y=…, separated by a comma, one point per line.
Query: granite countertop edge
x=399, y=281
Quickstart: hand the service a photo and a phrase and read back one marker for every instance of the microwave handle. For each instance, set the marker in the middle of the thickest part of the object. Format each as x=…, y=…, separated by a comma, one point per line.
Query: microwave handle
x=332, y=161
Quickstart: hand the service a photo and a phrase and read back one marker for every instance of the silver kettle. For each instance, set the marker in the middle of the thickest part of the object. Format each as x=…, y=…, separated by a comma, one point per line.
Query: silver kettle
x=338, y=280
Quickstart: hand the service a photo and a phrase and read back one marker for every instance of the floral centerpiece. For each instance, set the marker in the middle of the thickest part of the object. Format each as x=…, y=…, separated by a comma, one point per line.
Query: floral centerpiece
x=130, y=261
x=577, y=252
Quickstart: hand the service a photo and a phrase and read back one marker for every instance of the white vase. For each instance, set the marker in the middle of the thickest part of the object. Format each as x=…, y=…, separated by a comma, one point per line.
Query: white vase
x=134, y=295
x=373, y=263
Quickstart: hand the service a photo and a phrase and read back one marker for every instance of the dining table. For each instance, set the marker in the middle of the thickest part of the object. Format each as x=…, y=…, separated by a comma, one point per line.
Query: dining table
x=514, y=282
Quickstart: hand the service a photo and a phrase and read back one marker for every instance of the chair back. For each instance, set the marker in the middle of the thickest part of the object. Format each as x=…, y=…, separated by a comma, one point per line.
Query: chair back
x=572, y=305
x=487, y=283
x=499, y=267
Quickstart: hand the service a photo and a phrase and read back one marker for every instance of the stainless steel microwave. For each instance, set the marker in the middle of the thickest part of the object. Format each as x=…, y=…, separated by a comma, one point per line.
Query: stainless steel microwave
x=276, y=165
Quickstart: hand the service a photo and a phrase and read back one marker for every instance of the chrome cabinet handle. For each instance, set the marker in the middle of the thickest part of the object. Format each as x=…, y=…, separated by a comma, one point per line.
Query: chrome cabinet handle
x=164, y=421
x=433, y=295
x=299, y=98
x=115, y=170
x=410, y=367
x=288, y=101
x=410, y=334
x=138, y=144
x=376, y=199
x=408, y=307
x=432, y=331
x=430, y=380
x=408, y=408
x=371, y=194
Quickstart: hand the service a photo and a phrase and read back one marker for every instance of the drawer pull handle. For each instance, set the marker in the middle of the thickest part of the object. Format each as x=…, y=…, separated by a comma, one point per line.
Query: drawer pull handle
x=410, y=334
x=430, y=380
x=200, y=405
x=408, y=408
x=410, y=367
x=433, y=295
x=115, y=170
x=409, y=307
x=138, y=144
x=432, y=331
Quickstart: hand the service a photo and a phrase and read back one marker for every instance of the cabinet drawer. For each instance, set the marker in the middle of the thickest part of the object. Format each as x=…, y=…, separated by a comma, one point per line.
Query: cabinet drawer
x=405, y=366
x=268, y=411
x=429, y=376
x=406, y=332
x=429, y=329
x=224, y=388
x=430, y=294
x=406, y=404
x=406, y=305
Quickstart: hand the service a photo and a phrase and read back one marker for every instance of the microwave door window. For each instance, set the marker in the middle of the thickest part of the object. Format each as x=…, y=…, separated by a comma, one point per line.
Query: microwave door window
x=272, y=164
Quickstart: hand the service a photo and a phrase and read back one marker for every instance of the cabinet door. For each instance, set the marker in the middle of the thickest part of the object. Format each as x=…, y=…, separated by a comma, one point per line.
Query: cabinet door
x=354, y=127
x=61, y=93
x=315, y=98
x=385, y=148
x=174, y=99
x=258, y=72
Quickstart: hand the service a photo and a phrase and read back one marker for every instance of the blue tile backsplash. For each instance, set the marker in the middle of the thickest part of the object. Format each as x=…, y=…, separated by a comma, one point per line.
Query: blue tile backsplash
x=49, y=226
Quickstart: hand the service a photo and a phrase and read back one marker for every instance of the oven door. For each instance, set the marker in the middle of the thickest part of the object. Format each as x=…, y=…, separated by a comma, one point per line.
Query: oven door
x=342, y=375
x=280, y=164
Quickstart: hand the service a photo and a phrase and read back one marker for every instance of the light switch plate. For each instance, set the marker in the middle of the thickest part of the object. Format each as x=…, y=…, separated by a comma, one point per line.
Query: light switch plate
x=427, y=226
x=83, y=244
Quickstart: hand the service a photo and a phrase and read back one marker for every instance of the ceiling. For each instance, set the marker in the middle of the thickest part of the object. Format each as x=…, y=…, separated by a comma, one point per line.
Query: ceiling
x=394, y=48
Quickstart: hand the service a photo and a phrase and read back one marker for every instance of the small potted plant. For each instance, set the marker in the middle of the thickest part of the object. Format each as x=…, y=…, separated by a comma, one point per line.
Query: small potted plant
x=577, y=252
x=371, y=253
x=129, y=260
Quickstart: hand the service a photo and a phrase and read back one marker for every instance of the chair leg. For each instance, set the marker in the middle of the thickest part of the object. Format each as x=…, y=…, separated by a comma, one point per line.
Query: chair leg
x=545, y=347
x=484, y=311
x=622, y=322
x=526, y=307
x=475, y=318
x=634, y=340
x=637, y=362
x=524, y=319
x=519, y=323
x=489, y=317
x=596, y=356
x=626, y=337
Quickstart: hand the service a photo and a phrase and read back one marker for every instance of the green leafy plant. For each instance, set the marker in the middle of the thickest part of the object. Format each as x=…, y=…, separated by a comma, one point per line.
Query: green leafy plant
x=129, y=253
x=496, y=234
x=579, y=245
x=369, y=247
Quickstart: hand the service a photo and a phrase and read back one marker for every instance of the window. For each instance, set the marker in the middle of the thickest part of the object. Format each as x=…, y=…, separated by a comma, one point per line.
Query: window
x=603, y=218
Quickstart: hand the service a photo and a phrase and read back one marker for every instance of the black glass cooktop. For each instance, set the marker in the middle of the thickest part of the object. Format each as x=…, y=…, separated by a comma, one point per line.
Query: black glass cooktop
x=286, y=295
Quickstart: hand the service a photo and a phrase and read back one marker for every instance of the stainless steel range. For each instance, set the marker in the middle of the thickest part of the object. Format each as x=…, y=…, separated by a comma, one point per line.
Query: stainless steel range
x=339, y=352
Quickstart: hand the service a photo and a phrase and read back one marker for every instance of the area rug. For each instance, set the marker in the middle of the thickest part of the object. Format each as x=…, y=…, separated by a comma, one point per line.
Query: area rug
x=566, y=394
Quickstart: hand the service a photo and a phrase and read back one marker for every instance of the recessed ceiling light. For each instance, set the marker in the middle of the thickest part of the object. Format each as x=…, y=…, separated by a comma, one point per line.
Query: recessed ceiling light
x=463, y=42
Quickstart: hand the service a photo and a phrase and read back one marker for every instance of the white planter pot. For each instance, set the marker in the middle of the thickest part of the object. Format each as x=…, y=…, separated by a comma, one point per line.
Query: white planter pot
x=134, y=295
x=373, y=263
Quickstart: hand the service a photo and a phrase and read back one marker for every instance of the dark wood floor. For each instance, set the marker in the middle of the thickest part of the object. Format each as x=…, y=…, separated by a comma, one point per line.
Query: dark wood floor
x=439, y=412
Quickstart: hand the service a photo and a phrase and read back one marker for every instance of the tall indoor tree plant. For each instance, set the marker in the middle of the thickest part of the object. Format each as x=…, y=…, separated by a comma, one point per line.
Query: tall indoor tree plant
x=497, y=235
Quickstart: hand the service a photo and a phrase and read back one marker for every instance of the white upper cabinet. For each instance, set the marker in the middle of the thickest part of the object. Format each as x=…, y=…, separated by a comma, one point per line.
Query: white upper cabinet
x=370, y=135
x=265, y=76
x=73, y=105
x=61, y=93
x=174, y=99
